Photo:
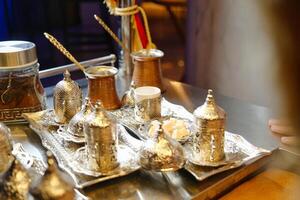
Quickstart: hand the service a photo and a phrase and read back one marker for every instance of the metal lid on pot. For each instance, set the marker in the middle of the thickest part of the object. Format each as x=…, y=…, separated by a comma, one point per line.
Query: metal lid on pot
x=16, y=54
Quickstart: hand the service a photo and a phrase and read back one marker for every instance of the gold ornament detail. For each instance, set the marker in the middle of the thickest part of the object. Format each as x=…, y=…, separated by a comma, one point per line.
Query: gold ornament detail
x=53, y=186
x=16, y=182
x=208, y=141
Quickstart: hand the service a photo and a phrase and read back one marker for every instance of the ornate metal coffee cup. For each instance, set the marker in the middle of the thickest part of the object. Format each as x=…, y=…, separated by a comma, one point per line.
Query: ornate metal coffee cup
x=102, y=86
x=147, y=103
x=101, y=140
x=208, y=141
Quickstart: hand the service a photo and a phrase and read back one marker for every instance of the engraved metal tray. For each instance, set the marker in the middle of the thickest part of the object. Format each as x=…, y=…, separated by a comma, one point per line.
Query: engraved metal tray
x=237, y=149
x=64, y=151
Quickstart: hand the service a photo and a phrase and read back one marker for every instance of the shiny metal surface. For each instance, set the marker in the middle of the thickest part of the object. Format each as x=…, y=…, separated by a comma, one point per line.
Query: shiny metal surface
x=67, y=99
x=162, y=153
x=126, y=116
x=75, y=126
x=246, y=119
x=147, y=68
x=101, y=138
x=16, y=182
x=102, y=86
x=127, y=38
x=237, y=151
x=128, y=97
x=74, y=159
x=16, y=54
x=6, y=157
x=208, y=141
x=52, y=186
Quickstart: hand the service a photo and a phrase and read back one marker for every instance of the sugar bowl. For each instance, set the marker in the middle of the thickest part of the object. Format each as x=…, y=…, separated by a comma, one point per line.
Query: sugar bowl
x=67, y=99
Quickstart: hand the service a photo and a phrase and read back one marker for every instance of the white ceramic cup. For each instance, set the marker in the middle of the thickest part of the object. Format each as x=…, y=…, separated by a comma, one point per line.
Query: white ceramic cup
x=147, y=103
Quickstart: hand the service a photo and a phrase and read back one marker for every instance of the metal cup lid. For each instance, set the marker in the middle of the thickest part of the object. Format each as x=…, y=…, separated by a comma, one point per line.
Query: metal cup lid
x=210, y=110
x=161, y=153
x=16, y=54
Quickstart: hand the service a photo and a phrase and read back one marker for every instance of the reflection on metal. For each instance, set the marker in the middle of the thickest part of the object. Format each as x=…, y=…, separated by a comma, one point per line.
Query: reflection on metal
x=161, y=153
x=208, y=141
x=102, y=86
x=52, y=186
x=67, y=99
x=6, y=157
x=67, y=155
x=128, y=97
x=16, y=182
x=238, y=151
x=101, y=140
x=182, y=94
x=150, y=186
x=127, y=38
x=75, y=126
x=17, y=54
x=147, y=68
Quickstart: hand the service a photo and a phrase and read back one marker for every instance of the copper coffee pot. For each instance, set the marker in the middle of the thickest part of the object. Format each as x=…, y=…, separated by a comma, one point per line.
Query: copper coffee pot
x=147, y=68
x=101, y=86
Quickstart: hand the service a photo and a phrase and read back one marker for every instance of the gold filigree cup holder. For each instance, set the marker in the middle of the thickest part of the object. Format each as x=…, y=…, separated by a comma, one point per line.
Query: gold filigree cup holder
x=64, y=154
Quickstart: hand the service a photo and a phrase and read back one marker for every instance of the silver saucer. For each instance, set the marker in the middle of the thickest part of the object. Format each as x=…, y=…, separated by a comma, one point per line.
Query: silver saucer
x=237, y=151
x=230, y=158
x=69, y=137
x=127, y=158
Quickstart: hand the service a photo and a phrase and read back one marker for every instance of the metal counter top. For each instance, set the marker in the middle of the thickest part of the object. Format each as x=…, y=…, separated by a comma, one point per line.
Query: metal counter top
x=245, y=119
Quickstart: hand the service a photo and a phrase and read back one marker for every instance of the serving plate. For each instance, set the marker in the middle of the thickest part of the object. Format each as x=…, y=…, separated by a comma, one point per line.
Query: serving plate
x=64, y=152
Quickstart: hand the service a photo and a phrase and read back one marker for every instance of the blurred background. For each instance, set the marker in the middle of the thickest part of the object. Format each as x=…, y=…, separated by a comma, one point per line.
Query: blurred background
x=72, y=22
